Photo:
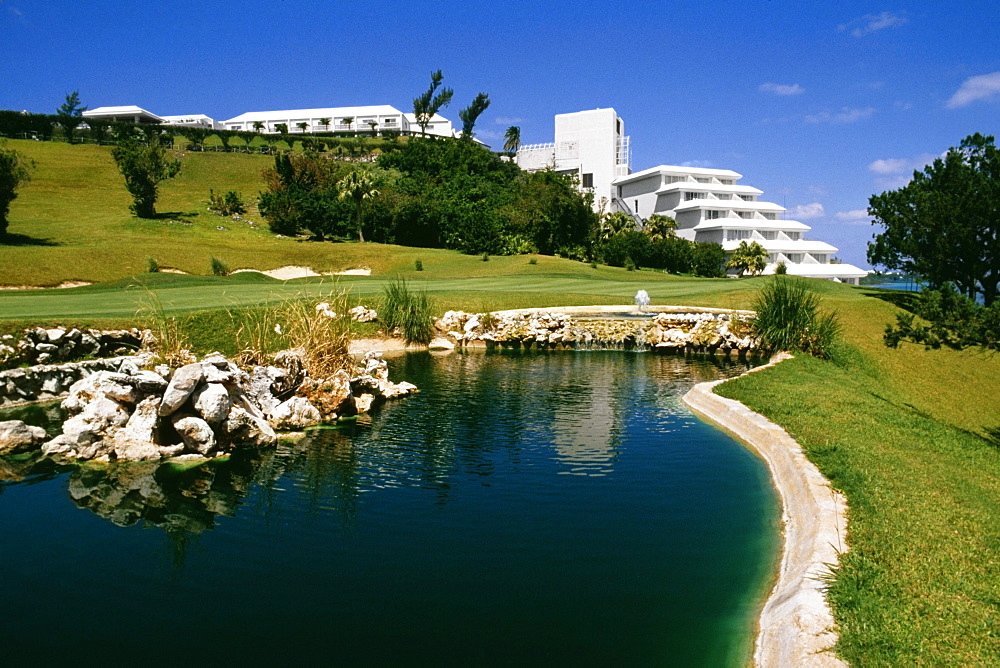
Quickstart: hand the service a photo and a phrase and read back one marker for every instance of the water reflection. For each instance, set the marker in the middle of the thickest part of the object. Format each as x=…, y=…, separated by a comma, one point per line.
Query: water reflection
x=472, y=416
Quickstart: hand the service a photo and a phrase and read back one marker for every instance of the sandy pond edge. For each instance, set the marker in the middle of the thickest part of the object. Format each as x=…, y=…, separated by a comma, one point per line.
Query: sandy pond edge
x=795, y=627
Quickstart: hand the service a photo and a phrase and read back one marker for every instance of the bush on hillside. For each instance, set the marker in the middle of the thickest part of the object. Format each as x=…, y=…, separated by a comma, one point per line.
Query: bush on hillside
x=788, y=318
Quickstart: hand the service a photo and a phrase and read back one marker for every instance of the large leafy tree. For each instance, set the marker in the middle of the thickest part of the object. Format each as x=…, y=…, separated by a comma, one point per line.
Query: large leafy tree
x=15, y=171
x=144, y=166
x=471, y=114
x=70, y=113
x=944, y=225
x=748, y=257
x=431, y=101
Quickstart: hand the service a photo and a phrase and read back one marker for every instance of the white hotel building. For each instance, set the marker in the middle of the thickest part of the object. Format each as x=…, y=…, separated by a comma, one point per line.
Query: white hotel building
x=708, y=204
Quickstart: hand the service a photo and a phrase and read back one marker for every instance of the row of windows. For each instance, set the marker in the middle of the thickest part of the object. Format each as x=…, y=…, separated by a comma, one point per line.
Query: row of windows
x=688, y=196
x=767, y=235
x=669, y=178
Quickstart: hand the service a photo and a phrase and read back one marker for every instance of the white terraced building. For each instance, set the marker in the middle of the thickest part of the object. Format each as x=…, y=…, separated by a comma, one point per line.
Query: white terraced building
x=385, y=117
x=708, y=204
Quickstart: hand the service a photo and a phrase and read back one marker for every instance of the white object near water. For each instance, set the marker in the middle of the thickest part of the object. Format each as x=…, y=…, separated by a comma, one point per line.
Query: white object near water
x=641, y=299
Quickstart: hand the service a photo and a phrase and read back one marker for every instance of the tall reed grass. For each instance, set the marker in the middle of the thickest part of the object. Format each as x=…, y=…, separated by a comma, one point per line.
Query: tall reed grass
x=262, y=330
x=172, y=345
x=408, y=311
x=788, y=318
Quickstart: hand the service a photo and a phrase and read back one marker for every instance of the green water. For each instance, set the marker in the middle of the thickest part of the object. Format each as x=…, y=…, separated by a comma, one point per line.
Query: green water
x=522, y=509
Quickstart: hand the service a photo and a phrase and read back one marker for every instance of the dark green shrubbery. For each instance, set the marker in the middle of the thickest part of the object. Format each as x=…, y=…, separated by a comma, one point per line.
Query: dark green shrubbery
x=952, y=320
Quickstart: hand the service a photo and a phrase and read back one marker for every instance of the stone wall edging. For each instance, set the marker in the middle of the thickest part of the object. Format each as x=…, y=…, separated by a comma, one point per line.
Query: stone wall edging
x=796, y=626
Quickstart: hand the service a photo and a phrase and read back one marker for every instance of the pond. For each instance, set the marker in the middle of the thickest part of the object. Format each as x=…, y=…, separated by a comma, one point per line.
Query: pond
x=524, y=508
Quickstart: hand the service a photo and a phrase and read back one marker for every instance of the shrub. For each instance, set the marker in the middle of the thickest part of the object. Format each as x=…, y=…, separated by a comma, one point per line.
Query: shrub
x=533, y=260
x=418, y=265
x=219, y=268
x=407, y=311
x=781, y=269
x=788, y=318
x=226, y=205
x=707, y=259
x=152, y=266
x=486, y=257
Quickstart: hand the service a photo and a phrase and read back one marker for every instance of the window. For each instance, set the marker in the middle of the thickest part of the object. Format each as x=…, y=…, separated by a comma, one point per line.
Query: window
x=795, y=258
x=772, y=258
x=737, y=235
x=390, y=121
x=822, y=258
x=672, y=179
x=702, y=179
x=745, y=214
x=770, y=215
x=769, y=235
x=722, y=195
x=746, y=198
x=726, y=182
x=712, y=214
x=690, y=196
x=636, y=207
x=793, y=236
x=588, y=180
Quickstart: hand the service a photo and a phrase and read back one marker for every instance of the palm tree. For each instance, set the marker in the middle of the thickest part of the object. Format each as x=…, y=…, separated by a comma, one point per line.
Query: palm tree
x=281, y=127
x=325, y=122
x=357, y=186
x=750, y=257
x=512, y=139
x=302, y=125
x=658, y=227
x=258, y=126
x=348, y=121
x=374, y=126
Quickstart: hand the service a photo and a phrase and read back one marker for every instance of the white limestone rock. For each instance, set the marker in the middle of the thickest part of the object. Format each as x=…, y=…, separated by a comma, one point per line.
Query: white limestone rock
x=212, y=402
x=293, y=414
x=16, y=436
x=441, y=343
x=182, y=384
x=197, y=435
x=242, y=428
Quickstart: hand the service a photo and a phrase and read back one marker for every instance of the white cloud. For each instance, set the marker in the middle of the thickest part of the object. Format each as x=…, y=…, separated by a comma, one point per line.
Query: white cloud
x=975, y=88
x=889, y=166
x=781, y=89
x=870, y=23
x=845, y=115
x=507, y=120
x=806, y=211
x=854, y=216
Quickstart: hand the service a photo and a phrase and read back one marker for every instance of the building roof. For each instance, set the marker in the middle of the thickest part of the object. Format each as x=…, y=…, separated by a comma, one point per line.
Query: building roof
x=751, y=224
x=327, y=112
x=126, y=110
x=826, y=270
x=731, y=204
x=785, y=246
x=679, y=171
x=694, y=186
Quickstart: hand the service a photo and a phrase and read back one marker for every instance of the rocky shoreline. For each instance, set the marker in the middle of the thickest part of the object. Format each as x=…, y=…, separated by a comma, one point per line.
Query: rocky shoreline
x=203, y=409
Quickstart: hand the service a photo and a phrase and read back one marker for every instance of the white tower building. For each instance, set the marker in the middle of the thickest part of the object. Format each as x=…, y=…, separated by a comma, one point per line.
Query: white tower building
x=591, y=145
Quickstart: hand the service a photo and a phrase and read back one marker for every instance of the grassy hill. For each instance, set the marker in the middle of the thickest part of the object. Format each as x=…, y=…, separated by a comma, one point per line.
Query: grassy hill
x=911, y=436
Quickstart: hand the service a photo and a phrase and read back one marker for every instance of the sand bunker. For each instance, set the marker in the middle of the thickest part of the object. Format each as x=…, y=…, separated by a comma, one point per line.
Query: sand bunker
x=64, y=284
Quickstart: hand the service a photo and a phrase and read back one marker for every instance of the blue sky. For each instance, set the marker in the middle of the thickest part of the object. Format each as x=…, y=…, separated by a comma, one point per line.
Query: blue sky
x=818, y=104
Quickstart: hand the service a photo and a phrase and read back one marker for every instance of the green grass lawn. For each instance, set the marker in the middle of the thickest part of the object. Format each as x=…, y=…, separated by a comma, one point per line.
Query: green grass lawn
x=912, y=437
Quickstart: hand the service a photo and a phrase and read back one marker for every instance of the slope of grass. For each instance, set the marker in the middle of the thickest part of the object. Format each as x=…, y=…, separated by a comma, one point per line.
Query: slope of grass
x=910, y=437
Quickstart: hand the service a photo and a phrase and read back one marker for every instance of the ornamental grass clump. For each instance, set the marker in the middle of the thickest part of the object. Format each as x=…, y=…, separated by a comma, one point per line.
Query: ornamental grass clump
x=262, y=330
x=788, y=318
x=407, y=311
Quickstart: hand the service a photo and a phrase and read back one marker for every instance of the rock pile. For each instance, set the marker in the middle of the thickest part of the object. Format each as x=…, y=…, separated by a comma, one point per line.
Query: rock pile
x=40, y=345
x=51, y=381
x=716, y=333
x=207, y=408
